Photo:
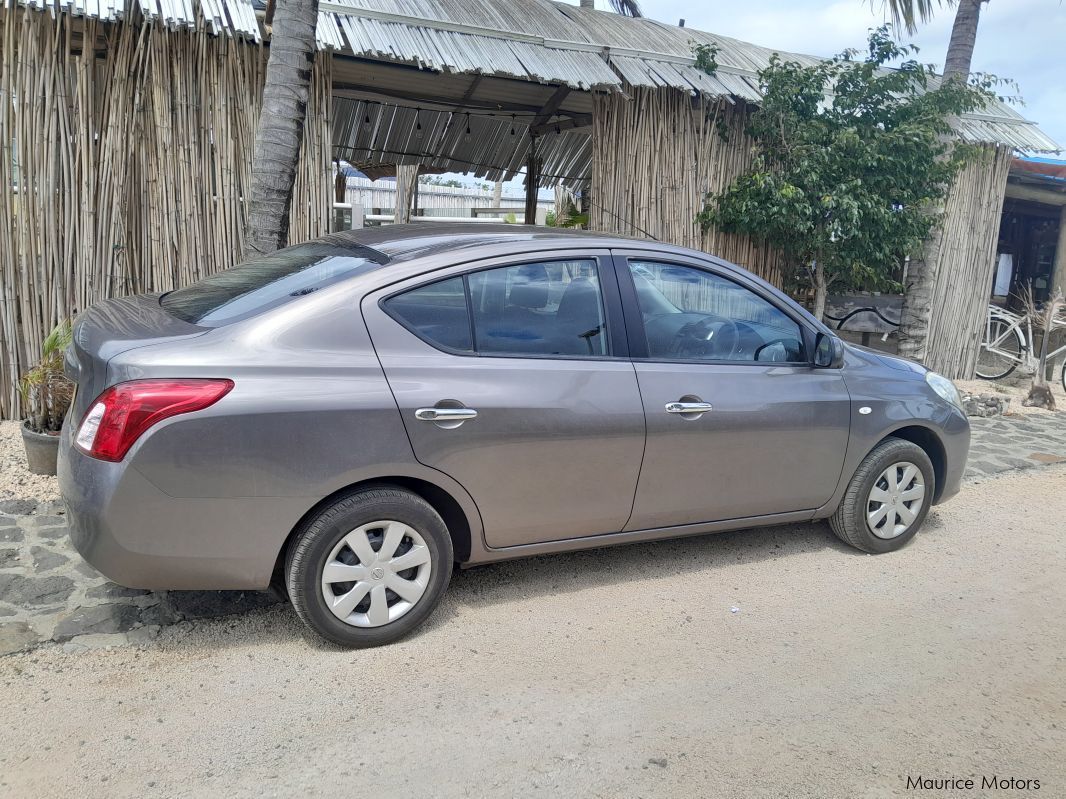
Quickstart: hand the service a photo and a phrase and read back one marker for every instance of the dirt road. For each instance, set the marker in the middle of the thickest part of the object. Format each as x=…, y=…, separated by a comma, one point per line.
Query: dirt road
x=766, y=663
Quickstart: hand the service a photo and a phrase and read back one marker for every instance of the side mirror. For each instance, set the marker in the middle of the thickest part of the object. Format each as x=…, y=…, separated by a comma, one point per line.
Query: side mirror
x=828, y=352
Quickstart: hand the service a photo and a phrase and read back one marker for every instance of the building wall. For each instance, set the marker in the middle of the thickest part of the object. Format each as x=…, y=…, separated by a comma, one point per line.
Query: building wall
x=656, y=155
x=124, y=166
x=432, y=200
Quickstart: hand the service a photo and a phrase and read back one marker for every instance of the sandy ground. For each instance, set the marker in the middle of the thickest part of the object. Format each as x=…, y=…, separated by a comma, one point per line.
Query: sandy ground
x=15, y=480
x=615, y=673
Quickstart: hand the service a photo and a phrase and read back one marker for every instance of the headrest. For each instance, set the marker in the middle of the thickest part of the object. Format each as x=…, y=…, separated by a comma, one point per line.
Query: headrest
x=581, y=301
x=530, y=288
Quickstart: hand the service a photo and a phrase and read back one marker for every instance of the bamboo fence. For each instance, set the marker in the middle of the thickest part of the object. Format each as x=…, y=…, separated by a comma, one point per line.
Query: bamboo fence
x=656, y=154
x=125, y=154
x=965, y=263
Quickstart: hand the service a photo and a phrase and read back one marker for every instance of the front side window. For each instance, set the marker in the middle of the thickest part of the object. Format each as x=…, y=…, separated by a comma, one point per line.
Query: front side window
x=537, y=309
x=692, y=314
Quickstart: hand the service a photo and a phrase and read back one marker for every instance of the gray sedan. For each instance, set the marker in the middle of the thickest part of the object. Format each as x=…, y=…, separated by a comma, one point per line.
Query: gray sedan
x=347, y=418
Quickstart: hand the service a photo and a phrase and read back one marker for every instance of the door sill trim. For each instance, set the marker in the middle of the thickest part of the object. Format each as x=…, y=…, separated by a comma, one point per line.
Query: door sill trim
x=492, y=554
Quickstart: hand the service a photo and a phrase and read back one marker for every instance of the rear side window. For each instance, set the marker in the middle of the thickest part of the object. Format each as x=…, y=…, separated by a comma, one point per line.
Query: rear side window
x=267, y=282
x=551, y=308
x=543, y=309
x=436, y=312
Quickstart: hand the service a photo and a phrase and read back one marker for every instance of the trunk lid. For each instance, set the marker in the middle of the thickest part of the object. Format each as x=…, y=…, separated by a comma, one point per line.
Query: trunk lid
x=112, y=327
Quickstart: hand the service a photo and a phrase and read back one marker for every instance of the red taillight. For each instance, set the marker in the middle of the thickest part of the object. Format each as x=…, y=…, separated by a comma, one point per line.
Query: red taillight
x=119, y=416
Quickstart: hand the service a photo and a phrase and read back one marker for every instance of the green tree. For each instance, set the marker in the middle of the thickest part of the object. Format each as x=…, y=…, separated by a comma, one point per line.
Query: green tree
x=849, y=159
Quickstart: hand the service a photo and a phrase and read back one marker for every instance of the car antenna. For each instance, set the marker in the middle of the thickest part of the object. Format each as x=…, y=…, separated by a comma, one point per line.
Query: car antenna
x=625, y=221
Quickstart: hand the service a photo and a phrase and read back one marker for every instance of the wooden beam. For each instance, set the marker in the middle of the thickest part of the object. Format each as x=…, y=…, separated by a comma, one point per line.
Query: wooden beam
x=468, y=95
x=551, y=106
x=390, y=96
x=1018, y=191
x=573, y=123
x=1058, y=269
x=532, y=181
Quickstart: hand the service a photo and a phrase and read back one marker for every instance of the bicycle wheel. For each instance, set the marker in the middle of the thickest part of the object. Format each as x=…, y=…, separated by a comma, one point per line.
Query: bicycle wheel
x=1064, y=374
x=1001, y=350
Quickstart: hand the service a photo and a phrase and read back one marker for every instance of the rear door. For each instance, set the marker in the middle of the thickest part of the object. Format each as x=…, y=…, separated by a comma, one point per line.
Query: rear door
x=511, y=377
x=739, y=423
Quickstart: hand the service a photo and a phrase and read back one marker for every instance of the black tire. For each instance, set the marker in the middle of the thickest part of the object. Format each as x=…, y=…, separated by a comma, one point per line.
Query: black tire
x=995, y=367
x=850, y=521
x=1063, y=376
x=317, y=538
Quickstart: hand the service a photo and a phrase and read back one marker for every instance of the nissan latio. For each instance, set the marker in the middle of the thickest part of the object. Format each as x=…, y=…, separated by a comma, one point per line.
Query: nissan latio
x=350, y=417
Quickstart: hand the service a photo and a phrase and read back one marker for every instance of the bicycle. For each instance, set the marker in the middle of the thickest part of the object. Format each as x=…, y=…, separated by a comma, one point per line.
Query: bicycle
x=1006, y=344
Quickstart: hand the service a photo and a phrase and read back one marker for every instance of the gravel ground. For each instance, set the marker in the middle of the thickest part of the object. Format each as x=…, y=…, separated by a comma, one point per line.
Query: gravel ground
x=15, y=481
x=770, y=662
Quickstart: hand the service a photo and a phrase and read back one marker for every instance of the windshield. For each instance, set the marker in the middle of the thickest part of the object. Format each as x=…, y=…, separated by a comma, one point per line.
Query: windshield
x=267, y=282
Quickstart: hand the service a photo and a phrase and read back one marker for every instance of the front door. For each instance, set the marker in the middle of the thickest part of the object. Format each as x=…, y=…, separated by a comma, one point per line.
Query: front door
x=738, y=423
x=512, y=380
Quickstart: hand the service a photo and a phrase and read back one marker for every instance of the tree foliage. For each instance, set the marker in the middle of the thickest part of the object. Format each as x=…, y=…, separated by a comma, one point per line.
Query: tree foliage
x=849, y=159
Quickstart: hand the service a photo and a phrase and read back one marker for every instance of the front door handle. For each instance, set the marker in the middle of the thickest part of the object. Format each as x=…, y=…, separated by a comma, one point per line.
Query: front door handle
x=690, y=410
x=445, y=414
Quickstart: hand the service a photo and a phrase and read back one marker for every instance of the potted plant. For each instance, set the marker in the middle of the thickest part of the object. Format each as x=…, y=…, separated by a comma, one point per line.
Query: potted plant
x=46, y=396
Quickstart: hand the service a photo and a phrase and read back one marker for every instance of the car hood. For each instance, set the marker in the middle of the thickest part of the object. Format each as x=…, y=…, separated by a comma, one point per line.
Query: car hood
x=872, y=356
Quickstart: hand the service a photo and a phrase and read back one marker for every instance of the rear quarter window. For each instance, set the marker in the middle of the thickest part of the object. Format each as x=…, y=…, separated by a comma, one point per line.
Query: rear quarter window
x=268, y=282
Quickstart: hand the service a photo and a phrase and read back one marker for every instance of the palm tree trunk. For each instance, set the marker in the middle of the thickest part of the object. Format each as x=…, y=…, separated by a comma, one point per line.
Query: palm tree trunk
x=921, y=272
x=281, y=125
x=963, y=39
x=918, y=299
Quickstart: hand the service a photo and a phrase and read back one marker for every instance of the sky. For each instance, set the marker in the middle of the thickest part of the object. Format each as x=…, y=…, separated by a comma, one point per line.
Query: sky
x=1020, y=39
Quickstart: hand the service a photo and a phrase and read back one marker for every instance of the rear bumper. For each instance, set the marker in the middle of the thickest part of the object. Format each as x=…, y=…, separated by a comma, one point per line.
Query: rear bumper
x=140, y=537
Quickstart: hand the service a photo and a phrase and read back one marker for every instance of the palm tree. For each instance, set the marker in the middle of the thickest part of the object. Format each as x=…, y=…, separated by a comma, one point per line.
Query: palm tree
x=281, y=125
x=627, y=8
x=906, y=14
x=921, y=272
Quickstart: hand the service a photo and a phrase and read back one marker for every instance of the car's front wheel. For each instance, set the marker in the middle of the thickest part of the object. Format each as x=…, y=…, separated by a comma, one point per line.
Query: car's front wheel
x=887, y=498
x=369, y=568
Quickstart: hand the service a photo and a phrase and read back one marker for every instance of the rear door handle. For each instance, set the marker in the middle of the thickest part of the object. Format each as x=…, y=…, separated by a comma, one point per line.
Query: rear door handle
x=688, y=407
x=445, y=414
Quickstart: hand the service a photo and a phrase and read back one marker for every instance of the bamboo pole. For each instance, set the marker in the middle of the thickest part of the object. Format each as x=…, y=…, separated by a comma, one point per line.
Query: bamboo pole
x=656, y=154
x=965, y=263
x=125, y=157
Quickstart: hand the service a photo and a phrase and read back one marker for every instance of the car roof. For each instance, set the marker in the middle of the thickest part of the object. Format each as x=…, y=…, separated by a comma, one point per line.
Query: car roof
x=416, y=240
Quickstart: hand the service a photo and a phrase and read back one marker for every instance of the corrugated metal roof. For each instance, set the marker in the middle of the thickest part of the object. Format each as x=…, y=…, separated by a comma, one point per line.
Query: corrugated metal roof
x=492, y=147
x=231, y=17
x=552, y=42
x=533, y=40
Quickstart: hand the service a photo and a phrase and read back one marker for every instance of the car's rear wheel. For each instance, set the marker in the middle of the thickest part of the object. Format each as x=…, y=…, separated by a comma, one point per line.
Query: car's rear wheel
x=369, y=568
x=887, y=499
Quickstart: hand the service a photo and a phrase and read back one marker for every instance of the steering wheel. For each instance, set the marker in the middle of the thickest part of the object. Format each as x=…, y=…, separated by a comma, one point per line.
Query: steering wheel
x=706, y=338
